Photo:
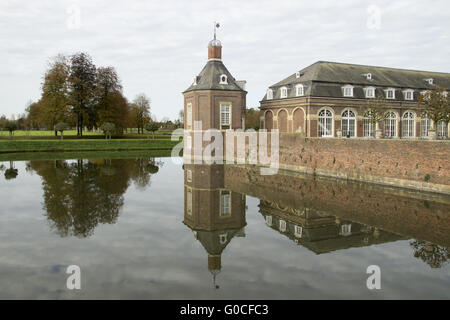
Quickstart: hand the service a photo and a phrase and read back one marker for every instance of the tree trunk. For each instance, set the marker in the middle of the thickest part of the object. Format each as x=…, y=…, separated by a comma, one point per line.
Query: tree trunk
x=62, y=135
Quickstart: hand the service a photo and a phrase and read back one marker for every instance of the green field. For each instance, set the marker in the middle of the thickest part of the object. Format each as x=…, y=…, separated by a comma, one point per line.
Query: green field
x=11, y=146
x=72, y=133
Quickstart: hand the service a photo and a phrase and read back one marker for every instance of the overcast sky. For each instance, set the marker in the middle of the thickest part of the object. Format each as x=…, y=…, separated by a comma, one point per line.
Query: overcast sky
x=157, y=47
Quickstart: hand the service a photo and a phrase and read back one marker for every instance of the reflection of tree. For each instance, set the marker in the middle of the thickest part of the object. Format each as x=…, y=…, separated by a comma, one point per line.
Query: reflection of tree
x=433, y=255
x=81, y=194
x=142, y=170
x=11, y=173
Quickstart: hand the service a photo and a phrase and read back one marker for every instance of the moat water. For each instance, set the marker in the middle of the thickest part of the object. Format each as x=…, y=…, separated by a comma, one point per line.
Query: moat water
x=152, y=228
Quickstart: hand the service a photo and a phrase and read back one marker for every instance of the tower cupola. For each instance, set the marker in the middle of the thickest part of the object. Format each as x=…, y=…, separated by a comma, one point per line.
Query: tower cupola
x=215, y=46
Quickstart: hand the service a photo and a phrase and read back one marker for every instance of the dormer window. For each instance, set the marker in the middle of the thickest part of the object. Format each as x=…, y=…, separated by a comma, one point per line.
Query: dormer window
x=297, y=74
x=370, y=92
x=408, y=94
x=390, y=93
x=368, y=76
x=269, y=94
x=195, y=81
x=445, y=94
x=430, y=80
x=299, y=90
x=348, y=91
x=223, y=79
x=283, y=92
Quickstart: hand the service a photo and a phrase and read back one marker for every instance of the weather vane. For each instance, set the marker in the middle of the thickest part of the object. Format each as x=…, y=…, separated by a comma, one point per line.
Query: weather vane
x=216, y=25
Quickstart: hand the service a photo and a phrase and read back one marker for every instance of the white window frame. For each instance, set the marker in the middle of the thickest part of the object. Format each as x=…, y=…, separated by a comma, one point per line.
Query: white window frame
x=346, y=230
x=225, y=203
x=223, y=79
x=269, y=94
x=189, y=175
x=283, y=92
x=269, y=220
x=188, y=144
x=299, y=90
x=189, y=201
x=325, y=124
x=346, y=93
x=369, y=76
x=223, y=238
x=223, y=122
x=189, y=116
x=390, y=125
x=442, y=130
x=389, y=91
x=282, y=225
x=298, y=231
x=370, y=89
x=425, y=125
x=408, y=92
x=430, y=80
x=368, y=127
x=349, y=122
x=408, y=125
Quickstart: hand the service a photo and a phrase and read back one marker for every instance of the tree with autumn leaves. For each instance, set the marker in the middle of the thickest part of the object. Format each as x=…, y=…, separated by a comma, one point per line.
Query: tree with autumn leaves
x=81, y=95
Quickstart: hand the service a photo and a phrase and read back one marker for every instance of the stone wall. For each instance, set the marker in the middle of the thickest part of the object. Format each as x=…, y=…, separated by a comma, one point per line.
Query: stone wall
x=418, y=164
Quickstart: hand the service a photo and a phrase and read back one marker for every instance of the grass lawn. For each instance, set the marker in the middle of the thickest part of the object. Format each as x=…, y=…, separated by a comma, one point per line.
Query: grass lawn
x=10, y=146
x=72, y=133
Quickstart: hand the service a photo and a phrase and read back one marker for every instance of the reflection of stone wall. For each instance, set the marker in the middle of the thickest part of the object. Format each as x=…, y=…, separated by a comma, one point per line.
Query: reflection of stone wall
x=416, y=164
x=412, y=214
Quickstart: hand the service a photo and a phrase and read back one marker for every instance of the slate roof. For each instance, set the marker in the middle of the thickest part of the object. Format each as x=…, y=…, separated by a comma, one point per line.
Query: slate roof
x=209, y=78
x=325, y=79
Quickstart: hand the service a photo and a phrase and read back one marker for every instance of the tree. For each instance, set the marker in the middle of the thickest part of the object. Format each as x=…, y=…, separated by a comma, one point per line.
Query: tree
x=141, y=110
x=108, y=128
x=433, y=255
x=151, y=127
x=53, y=106
x=11, y=126
x=252, y=119
x=111, y=105
x=375, y=111
x=61, y=126
x=82, y=81
x=11, y=173
x=435, y=104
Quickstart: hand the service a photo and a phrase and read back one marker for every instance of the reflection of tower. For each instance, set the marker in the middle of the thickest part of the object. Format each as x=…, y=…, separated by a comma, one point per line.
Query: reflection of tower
x=214, y=214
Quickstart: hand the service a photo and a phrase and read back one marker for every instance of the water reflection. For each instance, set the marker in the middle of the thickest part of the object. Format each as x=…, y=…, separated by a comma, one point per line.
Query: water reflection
x=80, y=194
x=321, y=215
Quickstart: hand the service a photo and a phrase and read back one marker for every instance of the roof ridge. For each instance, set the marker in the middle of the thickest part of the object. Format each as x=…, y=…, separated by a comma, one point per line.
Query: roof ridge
x=381, y=67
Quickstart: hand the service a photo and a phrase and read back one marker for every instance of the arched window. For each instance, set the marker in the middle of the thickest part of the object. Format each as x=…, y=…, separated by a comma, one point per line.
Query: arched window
x=283, y=92
x=425, y=124
x=325, y=123
x=442, y=130
x=408, y=125
x=369, y=130
x=348, y=124
x=299, y=90
x=390, y=125
x=269, y=94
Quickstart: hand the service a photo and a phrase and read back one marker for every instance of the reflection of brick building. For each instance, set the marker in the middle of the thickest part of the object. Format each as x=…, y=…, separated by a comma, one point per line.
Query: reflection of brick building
x=327, y=97
x=214, y=213
x=319, y=231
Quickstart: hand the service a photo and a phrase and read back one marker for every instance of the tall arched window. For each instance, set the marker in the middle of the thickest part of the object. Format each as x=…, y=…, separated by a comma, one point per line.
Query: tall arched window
x=442, y=130
x=408, y=125
x=390, y=125
x=269, y=94
x=425, y=124
x=325, y=123
x=369, y=130
x=348, y=124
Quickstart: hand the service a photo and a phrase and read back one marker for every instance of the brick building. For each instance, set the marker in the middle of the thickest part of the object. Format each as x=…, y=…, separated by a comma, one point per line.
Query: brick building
x=329, y=99
x=215, y=97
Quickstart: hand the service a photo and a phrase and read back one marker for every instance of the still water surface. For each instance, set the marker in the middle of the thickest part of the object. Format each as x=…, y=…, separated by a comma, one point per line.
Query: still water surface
x=149, y=228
